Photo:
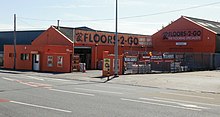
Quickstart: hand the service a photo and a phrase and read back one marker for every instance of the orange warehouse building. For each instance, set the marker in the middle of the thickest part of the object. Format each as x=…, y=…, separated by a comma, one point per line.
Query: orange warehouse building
x=53, y=50
x=90, y=44
x=188, y=34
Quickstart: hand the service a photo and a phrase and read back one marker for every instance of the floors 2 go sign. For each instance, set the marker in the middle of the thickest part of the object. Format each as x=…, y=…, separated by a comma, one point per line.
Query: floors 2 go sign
x=183, y=35
x=103, y=38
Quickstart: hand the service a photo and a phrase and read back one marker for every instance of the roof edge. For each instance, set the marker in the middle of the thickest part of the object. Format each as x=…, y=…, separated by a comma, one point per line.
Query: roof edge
x=187, y=18
x=62, y=34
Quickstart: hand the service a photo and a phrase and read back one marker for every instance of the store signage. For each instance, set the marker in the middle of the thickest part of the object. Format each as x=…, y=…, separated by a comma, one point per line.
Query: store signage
x=181, y=43
x=146, y=57
x=168, y=56
x=34, y=52
x=182, y=35
x=156, y=57
x=130, y=59
x=106, y=64
x=105, y=38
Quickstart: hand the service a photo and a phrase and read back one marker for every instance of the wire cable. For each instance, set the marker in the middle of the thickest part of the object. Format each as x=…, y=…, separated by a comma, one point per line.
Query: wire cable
x=127, y=17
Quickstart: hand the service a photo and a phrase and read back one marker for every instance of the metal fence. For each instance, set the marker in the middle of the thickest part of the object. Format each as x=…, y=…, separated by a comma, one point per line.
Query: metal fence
x=1, y=60
x=170, y=62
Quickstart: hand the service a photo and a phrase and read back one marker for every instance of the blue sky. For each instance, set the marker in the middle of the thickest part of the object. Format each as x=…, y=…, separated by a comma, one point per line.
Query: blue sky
x=41, y=14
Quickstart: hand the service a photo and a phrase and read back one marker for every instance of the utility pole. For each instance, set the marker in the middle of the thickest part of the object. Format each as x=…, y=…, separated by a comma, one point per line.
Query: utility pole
x=116, y=41
x=14, y=41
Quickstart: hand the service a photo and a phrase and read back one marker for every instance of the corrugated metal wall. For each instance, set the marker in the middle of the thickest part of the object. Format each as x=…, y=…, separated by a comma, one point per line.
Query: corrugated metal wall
x=217, y=61
x=23, y=37
x=218, y=43
x=67, y=32
x=1, y=58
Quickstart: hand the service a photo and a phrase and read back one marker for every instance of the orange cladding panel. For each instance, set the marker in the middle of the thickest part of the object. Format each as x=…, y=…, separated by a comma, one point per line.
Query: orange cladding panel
x=184, y=35
x=61, y=57
x=52, y=37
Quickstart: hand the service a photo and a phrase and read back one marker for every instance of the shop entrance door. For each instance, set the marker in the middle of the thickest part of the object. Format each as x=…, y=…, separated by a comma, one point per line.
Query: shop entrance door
x=84, y=55
x=36, y=62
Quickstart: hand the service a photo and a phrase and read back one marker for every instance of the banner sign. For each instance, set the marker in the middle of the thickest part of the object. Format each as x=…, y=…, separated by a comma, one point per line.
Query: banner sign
x=183, y=35
x=107, y=38
x=130, y=59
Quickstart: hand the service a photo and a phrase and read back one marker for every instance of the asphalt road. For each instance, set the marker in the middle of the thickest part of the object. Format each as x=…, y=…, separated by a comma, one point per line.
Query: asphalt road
x=23, y=95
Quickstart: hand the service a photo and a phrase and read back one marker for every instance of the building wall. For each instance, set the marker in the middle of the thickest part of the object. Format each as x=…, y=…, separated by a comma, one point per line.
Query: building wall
x=20, y=64
x=55, y=52
x=186, y=41
x=218, y=43
x=44, y=51
x=101, y=41
x=50, y=43
x=1, y=58
x=52, y=37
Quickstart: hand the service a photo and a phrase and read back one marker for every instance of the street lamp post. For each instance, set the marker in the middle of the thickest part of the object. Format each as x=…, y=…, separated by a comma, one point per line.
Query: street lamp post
x=116, y=41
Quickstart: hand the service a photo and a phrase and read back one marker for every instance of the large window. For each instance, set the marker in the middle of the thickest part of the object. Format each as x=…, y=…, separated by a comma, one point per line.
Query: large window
x=24, y=56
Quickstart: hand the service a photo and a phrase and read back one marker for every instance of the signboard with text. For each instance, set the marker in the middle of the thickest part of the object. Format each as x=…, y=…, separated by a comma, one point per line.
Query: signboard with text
x=106, y=64
x=107, y=38
x=183, y=35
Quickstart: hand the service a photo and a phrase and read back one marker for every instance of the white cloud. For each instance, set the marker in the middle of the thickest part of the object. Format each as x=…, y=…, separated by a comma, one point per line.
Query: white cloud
x=6, y=27
x=128, y=3
x=140, y=23
x=71, y=6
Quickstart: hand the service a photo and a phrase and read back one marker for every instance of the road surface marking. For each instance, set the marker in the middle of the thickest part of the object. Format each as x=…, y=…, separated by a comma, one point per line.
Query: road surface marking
x=79, y=93
x=187, y=101
x=45, y=78
x=158, y=104
x=99, y=91
x=18, y=81
x=25, y=83
x=38, y=106
x=32, y=84
x=188, y=95
x=39, y=84
x=113, y=87
x=60, y=80
x=36, y=78
x=8, y=79
x=4, y=100
x=173, y=102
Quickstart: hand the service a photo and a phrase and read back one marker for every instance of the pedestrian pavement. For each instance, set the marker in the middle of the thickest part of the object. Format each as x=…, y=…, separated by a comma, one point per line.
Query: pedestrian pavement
x=201, y=81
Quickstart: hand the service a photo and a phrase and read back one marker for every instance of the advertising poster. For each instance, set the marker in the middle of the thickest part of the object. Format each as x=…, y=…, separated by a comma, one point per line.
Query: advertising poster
x=50, y=61
x=60, y=61
x=106, y=64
